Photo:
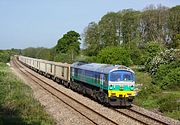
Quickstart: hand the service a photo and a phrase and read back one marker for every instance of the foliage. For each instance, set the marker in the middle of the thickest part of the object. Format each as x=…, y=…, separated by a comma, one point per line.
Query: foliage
x=114, y=55
x=91, y=39
x=167, y=76
x=4, y=56
x=153, y=24
x=164, y=57
x=63, y=57
x=82, y=58
x=17, y=105
x=40, y=52
x=153, y=97
x=142, y=77
x=44, y=53
x=130, y=19
x=164, y=102
x=108, y=27
x=176, y=42
x=147, y=97
x=174, y=26
x=135, y=52
x=30, y=52
x=68, y=42
x=171, y=80
x=68, y=45
x=151, y=50
x=166, y=106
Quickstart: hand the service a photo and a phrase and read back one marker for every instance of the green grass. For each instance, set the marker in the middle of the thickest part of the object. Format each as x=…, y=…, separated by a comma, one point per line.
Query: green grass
x=17, y=105
x=152, y=97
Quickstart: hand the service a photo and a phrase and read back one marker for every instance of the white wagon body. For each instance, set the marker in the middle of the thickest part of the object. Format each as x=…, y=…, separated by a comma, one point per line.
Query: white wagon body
x=55, y=69
x=50, y=68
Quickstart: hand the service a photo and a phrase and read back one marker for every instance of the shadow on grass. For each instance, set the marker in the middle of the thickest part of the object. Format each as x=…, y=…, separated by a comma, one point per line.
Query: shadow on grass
x=11, y=117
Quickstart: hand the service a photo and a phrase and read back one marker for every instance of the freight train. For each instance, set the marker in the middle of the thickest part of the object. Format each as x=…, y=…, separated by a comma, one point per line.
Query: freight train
x=112, y=85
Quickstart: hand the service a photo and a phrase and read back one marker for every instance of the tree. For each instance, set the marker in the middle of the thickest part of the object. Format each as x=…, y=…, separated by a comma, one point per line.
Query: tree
x=91, y=40
x=69, y=43
x=114, y=55
x=174, y=26
x=135, y=52
x=153, y=24
x=130, y=20
x=44, y=53
x=108, y=29
x=30, y=52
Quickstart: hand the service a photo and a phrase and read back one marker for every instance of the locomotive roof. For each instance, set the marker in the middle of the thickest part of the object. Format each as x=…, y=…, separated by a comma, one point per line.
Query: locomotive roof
x=96, y=67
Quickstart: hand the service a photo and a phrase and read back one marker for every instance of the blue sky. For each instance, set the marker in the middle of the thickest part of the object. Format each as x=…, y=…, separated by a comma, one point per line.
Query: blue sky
x=36, y=23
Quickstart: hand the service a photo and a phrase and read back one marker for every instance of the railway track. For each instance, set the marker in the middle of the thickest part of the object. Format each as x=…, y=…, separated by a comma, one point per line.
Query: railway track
x=138, y=116
x=90, y=114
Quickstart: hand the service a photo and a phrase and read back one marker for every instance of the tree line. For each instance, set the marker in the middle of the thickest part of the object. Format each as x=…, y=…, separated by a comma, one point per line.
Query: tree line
x=127, y=37
x=158, y=24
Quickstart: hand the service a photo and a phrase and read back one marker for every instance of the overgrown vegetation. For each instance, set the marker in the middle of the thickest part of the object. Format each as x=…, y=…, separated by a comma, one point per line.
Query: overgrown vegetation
x=17, y=106
x=152, y=96
x=6, y=54
x=114, y=55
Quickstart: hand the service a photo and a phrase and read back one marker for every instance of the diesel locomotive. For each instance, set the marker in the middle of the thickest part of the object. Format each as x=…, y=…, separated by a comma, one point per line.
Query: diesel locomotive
x=112, y=85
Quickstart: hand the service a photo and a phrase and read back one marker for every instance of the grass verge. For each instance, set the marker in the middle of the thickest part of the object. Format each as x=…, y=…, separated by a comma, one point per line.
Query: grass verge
x=154, y=98
x=17, y=105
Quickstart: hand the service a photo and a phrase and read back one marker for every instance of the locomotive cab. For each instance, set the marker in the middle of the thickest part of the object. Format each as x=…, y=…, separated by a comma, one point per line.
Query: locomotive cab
x=121, y=84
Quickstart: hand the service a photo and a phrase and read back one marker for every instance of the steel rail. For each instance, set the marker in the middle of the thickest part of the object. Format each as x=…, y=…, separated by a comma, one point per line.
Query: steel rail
x=32, y=75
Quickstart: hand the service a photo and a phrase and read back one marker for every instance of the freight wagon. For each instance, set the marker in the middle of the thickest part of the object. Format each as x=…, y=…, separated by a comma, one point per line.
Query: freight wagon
x=55, y=70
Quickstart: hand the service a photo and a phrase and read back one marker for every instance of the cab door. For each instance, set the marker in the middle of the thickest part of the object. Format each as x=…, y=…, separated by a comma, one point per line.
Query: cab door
x=101, y=81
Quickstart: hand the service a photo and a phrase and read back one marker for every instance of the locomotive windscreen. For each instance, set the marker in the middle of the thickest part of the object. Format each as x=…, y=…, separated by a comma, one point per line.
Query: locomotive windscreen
x=120, y=75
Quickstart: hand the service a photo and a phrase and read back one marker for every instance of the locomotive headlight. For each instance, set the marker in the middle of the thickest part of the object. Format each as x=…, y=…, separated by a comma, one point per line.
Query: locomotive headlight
x=111, y=87
x=132, y=87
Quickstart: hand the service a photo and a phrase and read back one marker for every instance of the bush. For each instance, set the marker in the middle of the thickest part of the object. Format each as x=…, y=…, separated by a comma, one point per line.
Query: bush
x=168, y=103
x=151, y=50
x=135, y=52
x=4, y=56
x=167, y=75
x=162, y=58
x=64, y=58
x=148, y=96
x=43, y=53
x=172, y=80
x=90, y=59
x=114, y=55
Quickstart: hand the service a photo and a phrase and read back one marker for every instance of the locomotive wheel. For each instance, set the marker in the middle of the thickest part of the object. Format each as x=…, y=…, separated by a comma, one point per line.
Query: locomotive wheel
x=94, y=95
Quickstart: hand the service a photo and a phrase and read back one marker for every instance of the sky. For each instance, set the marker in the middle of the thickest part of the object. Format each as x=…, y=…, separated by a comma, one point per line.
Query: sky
x=40, y=23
